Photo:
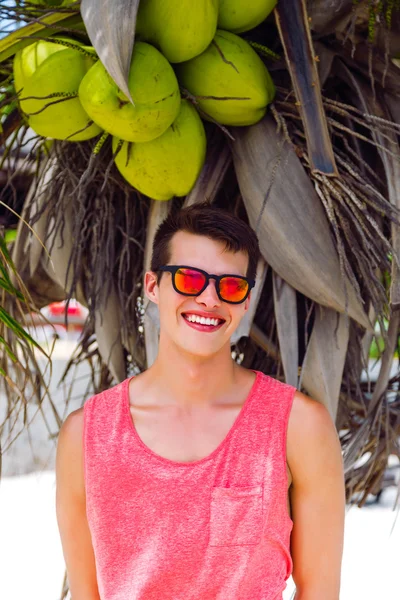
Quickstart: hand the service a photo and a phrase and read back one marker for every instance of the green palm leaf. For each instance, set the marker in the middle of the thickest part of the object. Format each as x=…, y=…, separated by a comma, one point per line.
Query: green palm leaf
x=47, y=25
x=9, y=322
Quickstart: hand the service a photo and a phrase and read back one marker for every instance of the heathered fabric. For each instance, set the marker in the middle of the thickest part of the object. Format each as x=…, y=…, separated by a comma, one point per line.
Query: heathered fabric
x=212, y=529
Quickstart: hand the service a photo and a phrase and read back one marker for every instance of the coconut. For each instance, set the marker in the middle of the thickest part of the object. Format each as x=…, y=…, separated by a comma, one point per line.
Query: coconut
x=52, y=3
x=229, y=80
x=169, y=165
x=47, y=76
x=27, y=60
x=238, y=16
x=154, y=90
x=181, y=29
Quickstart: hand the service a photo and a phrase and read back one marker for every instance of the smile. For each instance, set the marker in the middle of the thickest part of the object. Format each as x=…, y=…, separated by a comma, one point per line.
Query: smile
x=203, y=323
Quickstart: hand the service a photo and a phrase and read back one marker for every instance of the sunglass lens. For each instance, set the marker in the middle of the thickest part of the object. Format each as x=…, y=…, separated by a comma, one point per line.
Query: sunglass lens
x=189, y=281
x=233, y=289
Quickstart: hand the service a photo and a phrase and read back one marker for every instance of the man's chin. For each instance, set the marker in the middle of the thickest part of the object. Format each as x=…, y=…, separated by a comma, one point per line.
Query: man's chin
x=203, y=351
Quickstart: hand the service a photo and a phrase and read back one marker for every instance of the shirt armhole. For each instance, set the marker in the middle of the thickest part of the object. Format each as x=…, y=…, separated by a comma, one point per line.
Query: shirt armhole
x=290, y=395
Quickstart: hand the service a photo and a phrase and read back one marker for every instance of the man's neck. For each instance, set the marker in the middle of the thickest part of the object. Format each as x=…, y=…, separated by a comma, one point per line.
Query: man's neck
x=192, y=381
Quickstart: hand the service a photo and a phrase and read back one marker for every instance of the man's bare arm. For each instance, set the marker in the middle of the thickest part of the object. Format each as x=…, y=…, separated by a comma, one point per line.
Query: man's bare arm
x=71, y=510
x=317, y=500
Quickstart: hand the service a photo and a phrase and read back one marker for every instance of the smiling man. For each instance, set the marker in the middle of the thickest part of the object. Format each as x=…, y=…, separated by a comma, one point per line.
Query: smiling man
x=199, y=479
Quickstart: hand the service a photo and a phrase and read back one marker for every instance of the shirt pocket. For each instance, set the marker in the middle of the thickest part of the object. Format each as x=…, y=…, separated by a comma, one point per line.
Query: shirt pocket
x=236, y=515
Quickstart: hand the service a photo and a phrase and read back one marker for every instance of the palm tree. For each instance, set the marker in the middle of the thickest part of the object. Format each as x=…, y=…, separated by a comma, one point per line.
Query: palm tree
x=318, y=178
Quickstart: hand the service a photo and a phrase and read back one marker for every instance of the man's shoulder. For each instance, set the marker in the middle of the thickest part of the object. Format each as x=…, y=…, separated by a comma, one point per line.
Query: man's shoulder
x=73, y=426
x=308, y=414
x=310, y=428
x=72, y=429
x=305, y=413
x=69, y=459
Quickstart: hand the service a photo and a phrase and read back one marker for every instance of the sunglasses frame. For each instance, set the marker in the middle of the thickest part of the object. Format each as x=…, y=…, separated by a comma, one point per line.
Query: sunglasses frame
x=174, y=268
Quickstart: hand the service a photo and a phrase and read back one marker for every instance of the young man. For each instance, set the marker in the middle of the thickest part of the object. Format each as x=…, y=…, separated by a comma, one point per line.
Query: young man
x=175, y=484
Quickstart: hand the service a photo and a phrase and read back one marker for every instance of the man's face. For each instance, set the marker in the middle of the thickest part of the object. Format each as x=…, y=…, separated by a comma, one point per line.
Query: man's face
x=175, y=309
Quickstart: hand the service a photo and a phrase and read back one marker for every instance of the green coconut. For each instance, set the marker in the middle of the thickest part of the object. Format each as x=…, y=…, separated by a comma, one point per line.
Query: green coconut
x=27, y=60
x=181, y=29
x=154, y=90
x=238, y=16
x=47, y=76
x=52, y=3
x=169, y=165
x=229, y=80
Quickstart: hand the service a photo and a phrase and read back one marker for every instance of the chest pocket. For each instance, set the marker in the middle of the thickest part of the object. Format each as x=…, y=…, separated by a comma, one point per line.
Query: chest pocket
x=236, y=515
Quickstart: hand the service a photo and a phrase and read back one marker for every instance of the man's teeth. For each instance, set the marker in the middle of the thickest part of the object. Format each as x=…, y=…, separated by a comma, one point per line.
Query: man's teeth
x=202, y=320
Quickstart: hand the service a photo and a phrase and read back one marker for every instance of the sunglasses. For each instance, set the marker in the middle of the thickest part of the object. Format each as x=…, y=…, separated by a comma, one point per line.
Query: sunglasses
x=189, y=281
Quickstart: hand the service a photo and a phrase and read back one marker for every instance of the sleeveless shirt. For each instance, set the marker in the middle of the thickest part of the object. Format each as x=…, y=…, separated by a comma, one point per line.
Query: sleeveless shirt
x=217, y=528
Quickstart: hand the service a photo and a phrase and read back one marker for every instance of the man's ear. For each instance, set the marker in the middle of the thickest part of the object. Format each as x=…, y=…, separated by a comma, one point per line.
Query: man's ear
x=151, y=286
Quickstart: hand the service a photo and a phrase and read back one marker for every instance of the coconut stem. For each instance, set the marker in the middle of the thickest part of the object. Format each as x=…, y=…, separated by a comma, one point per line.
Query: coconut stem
x=62, y=97
x=193, y=99
x=100, y=143
x=89, y=124
x=82, y=49
x=264, y=50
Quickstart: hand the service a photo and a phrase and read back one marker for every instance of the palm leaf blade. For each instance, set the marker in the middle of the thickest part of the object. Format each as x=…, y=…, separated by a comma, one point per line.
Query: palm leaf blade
x=20, y=38
x=282, y=209
x=293, y=26
x=285, y=303
x=322, y=369
x=111, y=28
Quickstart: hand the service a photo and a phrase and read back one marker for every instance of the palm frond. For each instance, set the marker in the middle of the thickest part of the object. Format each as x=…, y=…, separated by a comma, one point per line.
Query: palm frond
x=294, y=29
x=322, y=368
x=111, y=27
x=39, y=27
x=282, y=211
x=285, y=308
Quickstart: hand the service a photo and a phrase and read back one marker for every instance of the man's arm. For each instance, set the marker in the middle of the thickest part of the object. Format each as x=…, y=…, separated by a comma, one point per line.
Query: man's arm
x=317, y=500
x=71, y=510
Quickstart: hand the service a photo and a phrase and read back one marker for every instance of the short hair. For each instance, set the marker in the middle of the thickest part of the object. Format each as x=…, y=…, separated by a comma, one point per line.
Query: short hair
x=209, y=221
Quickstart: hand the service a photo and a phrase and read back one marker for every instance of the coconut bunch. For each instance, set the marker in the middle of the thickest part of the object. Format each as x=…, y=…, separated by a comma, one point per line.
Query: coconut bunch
x=188, y=64
x=47, y=76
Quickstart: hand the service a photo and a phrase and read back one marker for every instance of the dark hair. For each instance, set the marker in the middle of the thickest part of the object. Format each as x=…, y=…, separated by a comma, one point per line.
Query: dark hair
x=214, y=223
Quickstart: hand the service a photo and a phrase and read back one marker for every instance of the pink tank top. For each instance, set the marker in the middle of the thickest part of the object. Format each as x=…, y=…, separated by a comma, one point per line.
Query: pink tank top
x=211, y=529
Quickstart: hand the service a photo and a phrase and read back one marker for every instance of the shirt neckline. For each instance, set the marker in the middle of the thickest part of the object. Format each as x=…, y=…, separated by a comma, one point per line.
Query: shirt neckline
x=191, y=463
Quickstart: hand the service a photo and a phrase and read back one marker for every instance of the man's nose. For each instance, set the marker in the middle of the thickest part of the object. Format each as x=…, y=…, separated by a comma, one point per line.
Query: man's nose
x=209, y=296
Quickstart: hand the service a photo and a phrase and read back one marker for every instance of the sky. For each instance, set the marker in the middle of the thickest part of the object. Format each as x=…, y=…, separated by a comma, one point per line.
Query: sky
x=6, y=25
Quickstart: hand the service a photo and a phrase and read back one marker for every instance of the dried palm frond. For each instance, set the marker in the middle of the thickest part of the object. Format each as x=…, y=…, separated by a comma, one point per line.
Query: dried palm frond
x=294, y=30
x=98, y=224
x=289, y=218
x=322, y=369
x=285, y=308
x=354, y=202
x=112, y=33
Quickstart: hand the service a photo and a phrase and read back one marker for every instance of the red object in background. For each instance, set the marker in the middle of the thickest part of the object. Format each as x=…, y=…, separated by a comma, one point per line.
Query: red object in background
x=56, y=313
x=58, y=308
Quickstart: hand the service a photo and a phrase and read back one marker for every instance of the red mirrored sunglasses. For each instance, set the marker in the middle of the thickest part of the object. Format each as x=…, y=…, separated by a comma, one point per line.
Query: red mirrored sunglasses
x=190, y=281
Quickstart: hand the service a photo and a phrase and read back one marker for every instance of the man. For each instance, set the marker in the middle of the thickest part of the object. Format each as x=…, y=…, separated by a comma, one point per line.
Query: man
x=175, y=484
